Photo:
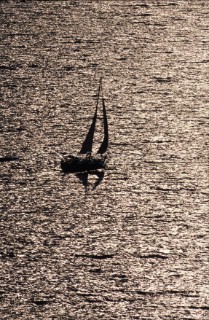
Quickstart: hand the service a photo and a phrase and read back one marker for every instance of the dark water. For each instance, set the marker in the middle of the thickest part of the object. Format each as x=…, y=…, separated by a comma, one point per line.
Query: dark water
x=135, y=246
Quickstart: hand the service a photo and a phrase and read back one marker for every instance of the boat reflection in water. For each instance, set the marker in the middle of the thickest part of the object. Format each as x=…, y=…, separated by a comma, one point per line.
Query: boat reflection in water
x=85, y=161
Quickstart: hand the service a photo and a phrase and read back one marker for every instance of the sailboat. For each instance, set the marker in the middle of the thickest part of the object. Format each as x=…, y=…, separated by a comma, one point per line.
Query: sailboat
x=85, y=161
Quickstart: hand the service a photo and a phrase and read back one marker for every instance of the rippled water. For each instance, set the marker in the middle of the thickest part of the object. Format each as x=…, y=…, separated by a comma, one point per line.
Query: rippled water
x=134, y=245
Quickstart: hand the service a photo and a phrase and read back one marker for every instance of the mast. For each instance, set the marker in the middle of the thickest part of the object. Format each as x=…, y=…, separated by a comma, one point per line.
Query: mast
x=88, y=142
x=104, y=145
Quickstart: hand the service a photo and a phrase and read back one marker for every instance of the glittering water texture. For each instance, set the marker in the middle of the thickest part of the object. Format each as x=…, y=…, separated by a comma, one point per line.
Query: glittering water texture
x=133, y=245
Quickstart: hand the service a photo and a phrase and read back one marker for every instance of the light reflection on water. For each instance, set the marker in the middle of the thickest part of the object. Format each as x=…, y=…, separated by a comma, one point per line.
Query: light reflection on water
x=137, y=241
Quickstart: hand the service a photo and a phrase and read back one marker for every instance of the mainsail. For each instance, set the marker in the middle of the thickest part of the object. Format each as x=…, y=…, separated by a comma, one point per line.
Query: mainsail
x=104, y=145
x=88, y=142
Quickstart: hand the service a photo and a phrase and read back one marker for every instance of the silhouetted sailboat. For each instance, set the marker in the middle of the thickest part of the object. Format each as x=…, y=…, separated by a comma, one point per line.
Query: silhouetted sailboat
x=90, y=162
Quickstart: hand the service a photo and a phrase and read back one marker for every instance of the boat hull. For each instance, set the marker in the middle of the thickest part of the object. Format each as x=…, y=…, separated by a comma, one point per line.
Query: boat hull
x=77, y=164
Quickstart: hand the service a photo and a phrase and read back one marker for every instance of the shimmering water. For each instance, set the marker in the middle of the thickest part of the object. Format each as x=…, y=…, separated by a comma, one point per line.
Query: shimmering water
x=135, y=245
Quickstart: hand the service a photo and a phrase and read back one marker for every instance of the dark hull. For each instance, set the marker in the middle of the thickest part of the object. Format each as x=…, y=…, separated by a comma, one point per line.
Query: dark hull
x=81, y=165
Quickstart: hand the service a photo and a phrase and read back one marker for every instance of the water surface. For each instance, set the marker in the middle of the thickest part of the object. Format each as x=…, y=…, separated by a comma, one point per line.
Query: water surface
x=135, y=246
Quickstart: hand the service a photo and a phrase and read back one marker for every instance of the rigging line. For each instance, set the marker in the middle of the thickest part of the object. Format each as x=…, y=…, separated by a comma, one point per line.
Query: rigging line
x=100, y=89
x=95, y=73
